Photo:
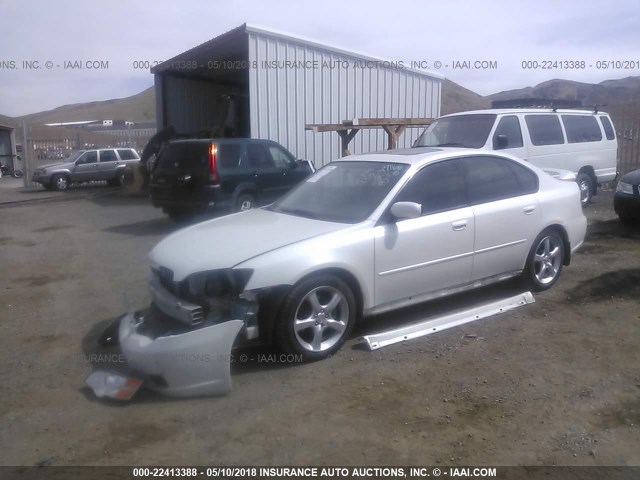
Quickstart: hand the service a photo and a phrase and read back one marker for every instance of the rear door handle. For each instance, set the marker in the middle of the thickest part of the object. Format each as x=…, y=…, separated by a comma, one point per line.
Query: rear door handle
x=528, y=210
x=459, y=225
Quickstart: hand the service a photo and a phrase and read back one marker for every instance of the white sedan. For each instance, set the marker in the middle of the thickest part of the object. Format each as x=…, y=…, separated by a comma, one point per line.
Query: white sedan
x=365, y=234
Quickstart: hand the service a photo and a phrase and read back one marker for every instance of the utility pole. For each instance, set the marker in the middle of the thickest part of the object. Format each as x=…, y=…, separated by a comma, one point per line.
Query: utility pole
x=27, y=156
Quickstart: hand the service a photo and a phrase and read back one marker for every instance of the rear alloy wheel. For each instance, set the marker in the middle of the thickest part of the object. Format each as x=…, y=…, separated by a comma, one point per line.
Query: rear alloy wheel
x=317, y=317
x=585, y=183
x=119, y=181
x=545, y=261
x=246, y=201
x=60, y=182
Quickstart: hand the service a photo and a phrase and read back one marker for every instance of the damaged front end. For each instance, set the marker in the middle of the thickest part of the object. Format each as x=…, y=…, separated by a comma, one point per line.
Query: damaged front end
x=181, y=346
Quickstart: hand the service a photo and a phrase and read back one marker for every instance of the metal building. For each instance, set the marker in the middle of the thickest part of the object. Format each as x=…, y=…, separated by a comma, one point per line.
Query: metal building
x=260, y=83
x=8, y=146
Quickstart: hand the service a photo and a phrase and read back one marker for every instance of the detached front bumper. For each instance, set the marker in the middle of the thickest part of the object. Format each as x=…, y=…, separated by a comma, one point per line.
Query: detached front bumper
x=193, y=363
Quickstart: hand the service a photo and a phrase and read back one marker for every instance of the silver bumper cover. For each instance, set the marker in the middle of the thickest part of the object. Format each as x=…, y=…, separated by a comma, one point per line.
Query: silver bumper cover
x=195, y=363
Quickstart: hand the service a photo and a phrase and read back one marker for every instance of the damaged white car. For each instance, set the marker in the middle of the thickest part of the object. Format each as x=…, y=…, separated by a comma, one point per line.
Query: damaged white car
x=363, y=235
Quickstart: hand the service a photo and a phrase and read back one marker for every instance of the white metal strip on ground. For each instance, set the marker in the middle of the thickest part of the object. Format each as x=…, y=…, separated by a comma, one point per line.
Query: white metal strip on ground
x=438, y=324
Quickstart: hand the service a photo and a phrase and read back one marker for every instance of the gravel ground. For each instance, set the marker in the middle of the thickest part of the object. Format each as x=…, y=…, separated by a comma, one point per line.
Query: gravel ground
x=553, y=383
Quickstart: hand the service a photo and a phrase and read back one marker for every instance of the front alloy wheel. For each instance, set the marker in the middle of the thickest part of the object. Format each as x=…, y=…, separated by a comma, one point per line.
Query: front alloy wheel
x=318, y=316
x=545, y=260
x=60, y=182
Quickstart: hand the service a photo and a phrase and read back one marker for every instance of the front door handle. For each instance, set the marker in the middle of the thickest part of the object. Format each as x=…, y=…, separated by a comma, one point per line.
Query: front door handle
x=459, y=225
x=529, y=209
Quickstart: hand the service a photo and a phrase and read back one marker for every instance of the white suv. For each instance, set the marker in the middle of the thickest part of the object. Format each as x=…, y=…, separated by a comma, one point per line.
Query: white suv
x=581, y=141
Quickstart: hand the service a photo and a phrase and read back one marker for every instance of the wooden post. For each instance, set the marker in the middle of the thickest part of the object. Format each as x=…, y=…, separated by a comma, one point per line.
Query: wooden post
x=393, y=133
x=346, y=136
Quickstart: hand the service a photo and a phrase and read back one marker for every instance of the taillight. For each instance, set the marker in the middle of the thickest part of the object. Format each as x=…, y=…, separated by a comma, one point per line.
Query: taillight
x=213, y=164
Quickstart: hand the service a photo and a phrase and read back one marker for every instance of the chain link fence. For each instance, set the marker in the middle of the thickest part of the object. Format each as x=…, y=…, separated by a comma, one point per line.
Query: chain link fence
x=42, y=147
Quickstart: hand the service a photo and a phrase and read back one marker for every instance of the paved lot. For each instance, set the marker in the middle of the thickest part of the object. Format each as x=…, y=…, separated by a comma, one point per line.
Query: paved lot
x=557, y=382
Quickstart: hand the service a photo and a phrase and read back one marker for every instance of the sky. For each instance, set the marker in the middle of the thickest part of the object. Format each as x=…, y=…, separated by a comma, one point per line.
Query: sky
x=118, y=36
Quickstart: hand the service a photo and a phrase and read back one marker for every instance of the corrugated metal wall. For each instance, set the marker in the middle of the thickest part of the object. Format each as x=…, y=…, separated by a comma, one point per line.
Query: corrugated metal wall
x=283, y=99
x=190, y=104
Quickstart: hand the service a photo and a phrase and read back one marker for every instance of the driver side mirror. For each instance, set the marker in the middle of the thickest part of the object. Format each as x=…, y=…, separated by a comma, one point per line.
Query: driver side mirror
x=403, y=210
x=500, y=142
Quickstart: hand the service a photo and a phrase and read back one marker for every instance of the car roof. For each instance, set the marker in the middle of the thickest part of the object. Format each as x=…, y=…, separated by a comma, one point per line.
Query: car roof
x=511, y=111
x=418, y=155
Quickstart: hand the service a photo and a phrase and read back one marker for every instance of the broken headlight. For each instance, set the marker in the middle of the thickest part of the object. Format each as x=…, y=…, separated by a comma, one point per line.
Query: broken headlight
x=218, y=283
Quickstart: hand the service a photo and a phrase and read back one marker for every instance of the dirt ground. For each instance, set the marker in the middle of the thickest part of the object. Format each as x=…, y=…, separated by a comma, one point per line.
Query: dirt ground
x=553, y=383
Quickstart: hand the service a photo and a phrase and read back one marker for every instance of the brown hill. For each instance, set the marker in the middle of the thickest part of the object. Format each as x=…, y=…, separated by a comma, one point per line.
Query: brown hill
x=137, y=108
x=621, y=96
x=615, y=94
x=8, y=121
x=456, y=98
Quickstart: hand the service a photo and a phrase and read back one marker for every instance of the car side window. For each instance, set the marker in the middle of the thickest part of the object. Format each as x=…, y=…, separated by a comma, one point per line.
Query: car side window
x=508, y=133
x=108, y=156
x=544, y=129
x=88, y=157
x=127, y=154
x=438, y=187
x=280, y=158
x=581, y=128
x=492, y=178
x=229, y=155
x=608, y=128
x=257, y=156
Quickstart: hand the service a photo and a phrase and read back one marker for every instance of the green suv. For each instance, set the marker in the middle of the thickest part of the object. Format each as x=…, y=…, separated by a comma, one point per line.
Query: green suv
x=195, y=176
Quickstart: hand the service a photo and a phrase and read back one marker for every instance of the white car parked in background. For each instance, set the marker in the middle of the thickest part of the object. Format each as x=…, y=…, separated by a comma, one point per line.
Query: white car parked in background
x=579, y=141
x=363, y=235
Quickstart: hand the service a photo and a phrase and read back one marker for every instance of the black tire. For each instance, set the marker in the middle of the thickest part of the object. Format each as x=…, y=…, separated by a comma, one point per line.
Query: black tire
x=17, y=174
x=119, y=181
x=60, y=182
x=627, y=219
x=316, y=332
x=585, y=183
x=245, y=201
x=545, y=261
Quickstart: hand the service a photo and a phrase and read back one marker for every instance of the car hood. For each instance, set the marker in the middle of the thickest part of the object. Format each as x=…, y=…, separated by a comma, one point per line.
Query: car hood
x=227, y=241
x=561, y=174
x=632, y=177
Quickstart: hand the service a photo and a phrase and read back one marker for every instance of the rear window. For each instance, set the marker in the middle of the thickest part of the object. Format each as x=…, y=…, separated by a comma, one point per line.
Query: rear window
x=181, y=155
x=608, y=128
x=581, y=128
x=127, y=154
x=544, y=129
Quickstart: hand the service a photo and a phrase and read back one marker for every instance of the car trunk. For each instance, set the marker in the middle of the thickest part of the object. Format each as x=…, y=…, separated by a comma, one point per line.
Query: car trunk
x=182, y=171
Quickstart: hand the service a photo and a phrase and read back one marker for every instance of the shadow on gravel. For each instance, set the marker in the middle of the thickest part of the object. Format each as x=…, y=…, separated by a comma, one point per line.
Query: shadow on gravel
x=112, y=197
x=156, y=226
x=606, y=230
x=623, y=284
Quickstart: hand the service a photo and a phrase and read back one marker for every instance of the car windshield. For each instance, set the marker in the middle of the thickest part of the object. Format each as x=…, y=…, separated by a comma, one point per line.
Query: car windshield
x=469, y=131
x=345, y=191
